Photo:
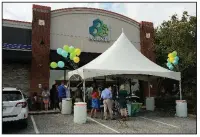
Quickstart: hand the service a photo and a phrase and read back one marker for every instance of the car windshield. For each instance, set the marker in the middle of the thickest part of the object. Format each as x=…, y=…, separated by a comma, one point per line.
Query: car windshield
x=11, y=95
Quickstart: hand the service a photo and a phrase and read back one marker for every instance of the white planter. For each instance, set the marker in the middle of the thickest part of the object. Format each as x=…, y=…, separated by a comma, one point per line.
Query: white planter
x=150, y=103
x=66, y=106
x=181, y=108
x=80, y=112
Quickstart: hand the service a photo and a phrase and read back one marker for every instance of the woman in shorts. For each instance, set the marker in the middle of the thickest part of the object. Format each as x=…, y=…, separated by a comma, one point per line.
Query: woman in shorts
x=45, y=96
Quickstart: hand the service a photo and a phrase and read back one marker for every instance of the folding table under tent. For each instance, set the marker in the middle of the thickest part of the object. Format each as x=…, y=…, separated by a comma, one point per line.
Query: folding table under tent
x=123, y=58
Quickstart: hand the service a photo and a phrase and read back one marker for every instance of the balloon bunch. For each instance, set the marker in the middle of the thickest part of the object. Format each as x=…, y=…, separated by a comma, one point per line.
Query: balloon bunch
x=71, y=51
x=60, y=64
x=67, y=52
x=172, y=60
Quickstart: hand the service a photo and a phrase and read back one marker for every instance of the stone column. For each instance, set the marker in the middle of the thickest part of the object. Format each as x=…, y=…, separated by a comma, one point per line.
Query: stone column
x=147, y=49
x=40, y=71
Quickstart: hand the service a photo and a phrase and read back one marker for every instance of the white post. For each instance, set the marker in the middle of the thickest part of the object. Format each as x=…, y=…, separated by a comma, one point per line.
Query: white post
x=84, y=89
x=122, y=30
x=180, y=90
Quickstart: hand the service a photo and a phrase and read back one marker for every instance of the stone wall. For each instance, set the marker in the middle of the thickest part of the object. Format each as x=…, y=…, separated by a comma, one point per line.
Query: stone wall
x=147, y=49
x=16, y=75
x=40, y=71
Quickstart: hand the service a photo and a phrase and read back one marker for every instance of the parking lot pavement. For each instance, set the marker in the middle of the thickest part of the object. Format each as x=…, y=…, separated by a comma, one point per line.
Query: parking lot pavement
x=57, y=123
x=14, y=128
x=144, y=123
x=186, y=125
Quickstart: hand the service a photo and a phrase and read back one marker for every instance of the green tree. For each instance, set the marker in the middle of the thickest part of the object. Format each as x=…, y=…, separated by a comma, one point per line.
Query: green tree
x=179, y=34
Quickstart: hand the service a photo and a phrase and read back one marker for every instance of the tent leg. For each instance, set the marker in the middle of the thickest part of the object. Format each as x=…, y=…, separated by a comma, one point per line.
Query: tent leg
x=69, y=89
x=180, y=90
x=69, y=84
x=84, y=89
x=130, y=87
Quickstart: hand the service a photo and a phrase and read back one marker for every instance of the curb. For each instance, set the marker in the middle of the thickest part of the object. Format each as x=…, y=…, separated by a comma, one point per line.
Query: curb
x=42, y=113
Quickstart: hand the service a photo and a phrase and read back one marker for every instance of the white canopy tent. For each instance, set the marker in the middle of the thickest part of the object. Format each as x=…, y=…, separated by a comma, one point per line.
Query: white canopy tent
x=122, y=58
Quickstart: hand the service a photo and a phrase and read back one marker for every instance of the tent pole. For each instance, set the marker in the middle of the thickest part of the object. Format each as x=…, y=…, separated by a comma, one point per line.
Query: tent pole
x=180, y=90
x=130, y=87
x=69, y=88
x=84, y=89
x=69, y=84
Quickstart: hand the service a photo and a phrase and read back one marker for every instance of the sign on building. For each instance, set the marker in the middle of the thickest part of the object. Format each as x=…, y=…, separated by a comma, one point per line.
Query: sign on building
x=99, y=31
x=16, y=47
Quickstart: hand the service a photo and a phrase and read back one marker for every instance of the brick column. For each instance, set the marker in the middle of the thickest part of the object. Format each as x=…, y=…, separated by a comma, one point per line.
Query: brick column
x=147, y=49
x=40, y=71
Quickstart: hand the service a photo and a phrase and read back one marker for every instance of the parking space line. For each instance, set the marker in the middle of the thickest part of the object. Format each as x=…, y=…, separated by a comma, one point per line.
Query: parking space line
x=34, y=125
x=159, y=122
x=103, y=125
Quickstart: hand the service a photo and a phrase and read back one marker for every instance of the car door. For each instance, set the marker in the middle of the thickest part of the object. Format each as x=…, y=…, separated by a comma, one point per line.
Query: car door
x=12, y=103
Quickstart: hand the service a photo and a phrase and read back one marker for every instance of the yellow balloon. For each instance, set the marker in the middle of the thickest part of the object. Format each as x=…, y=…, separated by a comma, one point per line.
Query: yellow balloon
x=170, y=55
x=77, y=51
x=171, y=59
x=76, y=59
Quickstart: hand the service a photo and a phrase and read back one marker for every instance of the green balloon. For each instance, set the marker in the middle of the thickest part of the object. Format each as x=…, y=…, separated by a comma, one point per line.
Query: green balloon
x=72, y=55
x=54, y=65
x=66, y=48
x=174, y=53
x=71, y=49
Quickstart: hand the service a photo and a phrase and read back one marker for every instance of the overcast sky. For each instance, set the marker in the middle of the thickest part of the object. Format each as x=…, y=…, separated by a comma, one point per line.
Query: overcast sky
x=153, y=12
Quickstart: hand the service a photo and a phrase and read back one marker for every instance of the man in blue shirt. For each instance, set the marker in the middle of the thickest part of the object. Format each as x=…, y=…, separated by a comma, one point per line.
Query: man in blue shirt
x=106, y=95
x=61, y=91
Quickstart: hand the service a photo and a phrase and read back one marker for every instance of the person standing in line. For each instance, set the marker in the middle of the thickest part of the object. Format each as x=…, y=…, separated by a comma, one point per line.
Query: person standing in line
x=89, y=97
x=57, y=99
x=106, y=95
x=95, y=102
x=122, y=102
x=61, y=93
x=45, y=96
x=54, y=97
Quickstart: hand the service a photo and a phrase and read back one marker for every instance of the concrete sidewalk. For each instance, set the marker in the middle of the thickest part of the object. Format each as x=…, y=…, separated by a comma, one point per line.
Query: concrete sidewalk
x=44, y=112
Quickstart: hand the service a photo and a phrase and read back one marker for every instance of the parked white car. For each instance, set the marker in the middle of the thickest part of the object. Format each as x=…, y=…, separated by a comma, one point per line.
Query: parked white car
x=15, y=107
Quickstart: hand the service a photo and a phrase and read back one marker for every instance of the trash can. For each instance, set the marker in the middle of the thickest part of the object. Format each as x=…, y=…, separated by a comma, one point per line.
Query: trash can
x=66, y=106
x=150, y=103
x=133, y=108
x=181, y=108
x=80, y=112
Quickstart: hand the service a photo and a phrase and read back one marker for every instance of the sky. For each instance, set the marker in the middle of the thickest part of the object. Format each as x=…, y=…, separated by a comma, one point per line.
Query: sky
x=152, y=12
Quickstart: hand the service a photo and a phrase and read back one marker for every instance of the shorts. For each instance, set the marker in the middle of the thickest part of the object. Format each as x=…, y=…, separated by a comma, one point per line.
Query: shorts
x=46, y=101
